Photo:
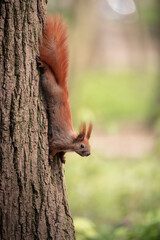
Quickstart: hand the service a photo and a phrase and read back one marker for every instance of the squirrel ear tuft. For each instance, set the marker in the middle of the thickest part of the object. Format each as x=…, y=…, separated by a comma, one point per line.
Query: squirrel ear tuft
x=79, y=138
x=82, y=133
x=82, y=129
x=89, y=130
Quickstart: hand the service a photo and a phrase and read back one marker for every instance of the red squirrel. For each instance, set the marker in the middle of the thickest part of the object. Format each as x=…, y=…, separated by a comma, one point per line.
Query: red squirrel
x=53, y=62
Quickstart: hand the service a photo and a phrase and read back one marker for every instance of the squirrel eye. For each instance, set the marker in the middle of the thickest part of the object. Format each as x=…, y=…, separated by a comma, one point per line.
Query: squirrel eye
x=82, y=145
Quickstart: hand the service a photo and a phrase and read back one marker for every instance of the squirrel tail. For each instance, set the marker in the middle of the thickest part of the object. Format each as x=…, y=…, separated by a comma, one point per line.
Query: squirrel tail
x=54, y=49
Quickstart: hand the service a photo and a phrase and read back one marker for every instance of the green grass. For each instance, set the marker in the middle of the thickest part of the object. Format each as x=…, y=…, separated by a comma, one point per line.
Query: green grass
x=111, y=97
x=114, y=194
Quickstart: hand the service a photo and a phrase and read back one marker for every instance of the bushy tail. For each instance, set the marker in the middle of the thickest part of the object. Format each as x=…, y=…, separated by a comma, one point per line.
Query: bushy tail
x=53, y=48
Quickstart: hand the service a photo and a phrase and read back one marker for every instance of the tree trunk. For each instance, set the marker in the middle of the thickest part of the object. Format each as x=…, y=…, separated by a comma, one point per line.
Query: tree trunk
x=33, y=202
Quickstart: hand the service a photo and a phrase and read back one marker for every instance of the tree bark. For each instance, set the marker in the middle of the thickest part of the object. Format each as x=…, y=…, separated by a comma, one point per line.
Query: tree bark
x=33, y=202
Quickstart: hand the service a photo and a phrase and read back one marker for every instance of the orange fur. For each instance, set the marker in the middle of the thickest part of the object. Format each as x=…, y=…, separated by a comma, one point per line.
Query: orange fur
x=54, y=49
x=54, y=62
x=89, y=130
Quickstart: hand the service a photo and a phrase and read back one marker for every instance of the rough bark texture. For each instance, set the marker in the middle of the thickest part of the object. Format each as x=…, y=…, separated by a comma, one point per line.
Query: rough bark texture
x=33, y=203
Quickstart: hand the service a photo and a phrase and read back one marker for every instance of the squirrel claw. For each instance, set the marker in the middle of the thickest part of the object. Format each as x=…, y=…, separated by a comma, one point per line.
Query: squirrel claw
x=40, y=63
x=37, y=58
x=51, y=158
x=62, y=157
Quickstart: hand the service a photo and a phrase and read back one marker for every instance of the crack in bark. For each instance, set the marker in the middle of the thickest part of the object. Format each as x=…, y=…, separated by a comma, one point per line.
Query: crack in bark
x=35, y=213
x=48, y=226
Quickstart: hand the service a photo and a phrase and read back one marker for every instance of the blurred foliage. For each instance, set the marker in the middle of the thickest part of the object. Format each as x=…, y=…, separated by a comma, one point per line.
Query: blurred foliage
x=109, y=98
x=139, y=232
x=109, y=189
x=150, y=15
x=66, y=11
x=118, y=198
x=85, y=229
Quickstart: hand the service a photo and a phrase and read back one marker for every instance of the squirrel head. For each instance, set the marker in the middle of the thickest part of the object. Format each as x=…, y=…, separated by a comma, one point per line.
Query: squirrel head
x=81, y=142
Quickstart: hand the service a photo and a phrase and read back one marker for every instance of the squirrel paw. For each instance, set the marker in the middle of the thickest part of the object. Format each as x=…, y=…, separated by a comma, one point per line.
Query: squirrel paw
x=63, y=158
x=41, y=64
x=51, y=158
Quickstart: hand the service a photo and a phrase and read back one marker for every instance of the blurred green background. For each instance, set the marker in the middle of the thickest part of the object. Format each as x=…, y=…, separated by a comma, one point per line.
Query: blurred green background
x=114, y=82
